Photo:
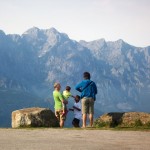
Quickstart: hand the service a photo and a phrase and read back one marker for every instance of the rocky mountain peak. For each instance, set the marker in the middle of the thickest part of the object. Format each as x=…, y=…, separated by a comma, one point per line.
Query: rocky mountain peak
x=2, y=33
x=14, y=37
x=95, y=45
x=52, y=33
x=50, y=36
x=33, y=30
x=53, y=30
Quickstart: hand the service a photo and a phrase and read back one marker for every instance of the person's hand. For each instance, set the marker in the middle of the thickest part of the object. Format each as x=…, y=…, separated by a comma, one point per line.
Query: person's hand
x=72, y=96
x=65, y=102
x=76, y=108
x=70, y=109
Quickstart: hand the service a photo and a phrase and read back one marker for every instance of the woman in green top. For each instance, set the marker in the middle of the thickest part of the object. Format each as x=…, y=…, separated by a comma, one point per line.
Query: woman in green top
x=58, y=99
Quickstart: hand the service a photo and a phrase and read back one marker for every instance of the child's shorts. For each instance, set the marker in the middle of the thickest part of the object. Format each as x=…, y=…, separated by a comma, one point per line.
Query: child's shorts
x=75, y=121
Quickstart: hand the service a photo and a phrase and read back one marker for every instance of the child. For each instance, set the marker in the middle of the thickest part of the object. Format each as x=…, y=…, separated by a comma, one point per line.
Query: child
x=66, y=95
x=77, y=111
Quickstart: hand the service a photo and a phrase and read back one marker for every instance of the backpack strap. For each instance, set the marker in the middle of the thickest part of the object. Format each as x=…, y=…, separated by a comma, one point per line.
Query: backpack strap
x=87, y=86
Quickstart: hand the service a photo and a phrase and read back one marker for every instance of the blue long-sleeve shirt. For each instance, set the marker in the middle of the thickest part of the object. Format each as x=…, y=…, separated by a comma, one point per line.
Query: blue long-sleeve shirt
x=89, y=91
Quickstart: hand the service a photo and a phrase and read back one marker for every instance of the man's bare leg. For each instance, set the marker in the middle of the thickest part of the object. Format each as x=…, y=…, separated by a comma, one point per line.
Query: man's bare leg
x=91, y=119
x=84, y=117
x=61, y=123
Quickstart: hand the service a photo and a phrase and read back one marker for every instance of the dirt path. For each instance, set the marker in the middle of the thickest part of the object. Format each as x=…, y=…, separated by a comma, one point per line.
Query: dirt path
x=66, y=139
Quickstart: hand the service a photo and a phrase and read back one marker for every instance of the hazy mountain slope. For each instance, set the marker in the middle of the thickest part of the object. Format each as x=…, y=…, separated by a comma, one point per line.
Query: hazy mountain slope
x=129, y=68
x=32, y=62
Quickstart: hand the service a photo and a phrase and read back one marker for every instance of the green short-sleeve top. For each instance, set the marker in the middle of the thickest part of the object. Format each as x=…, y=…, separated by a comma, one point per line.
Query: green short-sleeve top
x=57, y=99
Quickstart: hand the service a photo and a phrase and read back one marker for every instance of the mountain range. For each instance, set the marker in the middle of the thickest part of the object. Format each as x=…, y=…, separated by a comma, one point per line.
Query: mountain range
x=30, y=64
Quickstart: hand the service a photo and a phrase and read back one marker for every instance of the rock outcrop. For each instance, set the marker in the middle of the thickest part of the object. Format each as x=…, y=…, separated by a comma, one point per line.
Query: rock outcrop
x=34, y=117
x=128, y=119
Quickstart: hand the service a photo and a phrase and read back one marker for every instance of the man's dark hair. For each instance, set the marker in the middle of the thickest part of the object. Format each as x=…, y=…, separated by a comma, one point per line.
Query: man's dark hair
x=86, y=75
x=78, y=96
x=68, y=88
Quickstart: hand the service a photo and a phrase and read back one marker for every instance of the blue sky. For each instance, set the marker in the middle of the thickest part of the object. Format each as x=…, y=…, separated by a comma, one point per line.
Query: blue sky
x=81, y=19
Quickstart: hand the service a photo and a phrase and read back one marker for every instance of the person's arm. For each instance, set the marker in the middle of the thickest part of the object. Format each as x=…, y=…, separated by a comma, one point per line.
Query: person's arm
x=78, y=87
x=76, y=108
x=95, y=88
x=65, y=102
x=71, y=109
x=62, y=99
x=72, y=96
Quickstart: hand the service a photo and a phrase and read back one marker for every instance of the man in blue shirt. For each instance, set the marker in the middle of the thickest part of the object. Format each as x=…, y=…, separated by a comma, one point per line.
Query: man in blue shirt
x=88, y=91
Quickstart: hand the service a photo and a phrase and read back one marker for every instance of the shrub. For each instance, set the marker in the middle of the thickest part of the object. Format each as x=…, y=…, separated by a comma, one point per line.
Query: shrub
x=147, y=124
x=99, y=124
x=138, y=123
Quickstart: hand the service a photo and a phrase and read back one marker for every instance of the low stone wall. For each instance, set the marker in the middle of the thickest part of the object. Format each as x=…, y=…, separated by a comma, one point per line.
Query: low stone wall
x=128, y=119
x=34, y=117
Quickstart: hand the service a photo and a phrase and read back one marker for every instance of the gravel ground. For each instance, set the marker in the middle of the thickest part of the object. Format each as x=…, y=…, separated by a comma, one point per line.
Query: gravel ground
x=71, y=139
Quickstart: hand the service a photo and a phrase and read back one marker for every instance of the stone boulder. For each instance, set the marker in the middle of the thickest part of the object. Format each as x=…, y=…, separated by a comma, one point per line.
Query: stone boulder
x=34, y=117
x=128, y=119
